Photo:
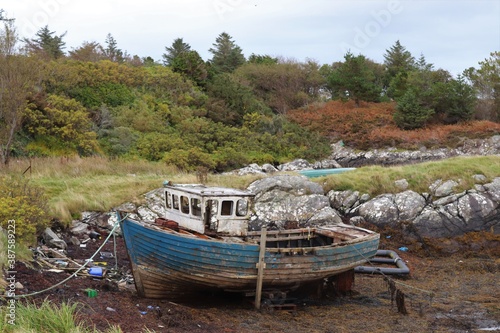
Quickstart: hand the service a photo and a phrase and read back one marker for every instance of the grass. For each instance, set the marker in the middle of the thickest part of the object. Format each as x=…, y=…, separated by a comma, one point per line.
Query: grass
x=98, y=184
x=46, y=318
x=376, y=180
x=75, y=184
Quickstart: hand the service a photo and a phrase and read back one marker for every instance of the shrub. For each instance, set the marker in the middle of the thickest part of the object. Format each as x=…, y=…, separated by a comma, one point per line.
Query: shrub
x=24, y=203
x=410, y=113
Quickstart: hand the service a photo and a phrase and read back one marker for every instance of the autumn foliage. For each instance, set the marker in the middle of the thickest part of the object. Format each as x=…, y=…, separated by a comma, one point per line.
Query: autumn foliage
x=371, y=125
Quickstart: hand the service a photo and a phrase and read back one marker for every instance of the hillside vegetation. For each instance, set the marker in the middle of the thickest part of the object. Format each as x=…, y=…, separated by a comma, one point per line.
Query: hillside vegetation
x=228, y=111
x=371, y=125
x=95, y=126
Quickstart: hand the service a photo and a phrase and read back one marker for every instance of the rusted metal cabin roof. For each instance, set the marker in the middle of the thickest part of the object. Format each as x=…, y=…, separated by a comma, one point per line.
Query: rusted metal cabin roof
x=207, y=191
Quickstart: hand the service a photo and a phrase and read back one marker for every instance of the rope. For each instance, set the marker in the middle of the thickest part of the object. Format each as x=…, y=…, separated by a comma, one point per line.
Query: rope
x=78, y=270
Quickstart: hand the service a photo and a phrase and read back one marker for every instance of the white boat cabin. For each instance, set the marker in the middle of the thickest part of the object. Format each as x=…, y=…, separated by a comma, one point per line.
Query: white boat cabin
x=207, y=209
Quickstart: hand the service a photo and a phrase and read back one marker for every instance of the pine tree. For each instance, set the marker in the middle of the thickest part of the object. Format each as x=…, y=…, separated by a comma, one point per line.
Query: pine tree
x=227, y=56
x=47, y=44
x=178, y=47
x=410, y=114
x=396, y=60
x=112, y=52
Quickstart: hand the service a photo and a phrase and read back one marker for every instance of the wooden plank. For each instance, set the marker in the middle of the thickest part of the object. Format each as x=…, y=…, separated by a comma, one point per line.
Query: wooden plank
x=260, y=267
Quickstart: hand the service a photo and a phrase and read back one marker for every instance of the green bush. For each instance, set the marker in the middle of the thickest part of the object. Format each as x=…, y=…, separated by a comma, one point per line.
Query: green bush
x=189, y=159
x=24, y=203
x=410, y=113
x=109, y=93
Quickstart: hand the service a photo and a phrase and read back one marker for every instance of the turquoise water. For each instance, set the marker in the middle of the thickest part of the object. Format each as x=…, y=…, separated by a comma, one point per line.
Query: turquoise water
x=323, y=172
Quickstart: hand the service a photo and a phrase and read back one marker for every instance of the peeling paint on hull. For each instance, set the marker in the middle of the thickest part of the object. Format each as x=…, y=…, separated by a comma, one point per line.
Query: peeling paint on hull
x=169, y=264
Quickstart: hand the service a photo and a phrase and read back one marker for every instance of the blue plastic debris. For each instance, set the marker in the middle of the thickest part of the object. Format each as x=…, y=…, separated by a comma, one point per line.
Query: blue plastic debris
x=95, y=271
x=403, y=248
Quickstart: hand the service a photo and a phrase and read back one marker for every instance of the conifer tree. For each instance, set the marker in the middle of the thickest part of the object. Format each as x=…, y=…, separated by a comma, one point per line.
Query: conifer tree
x=178, y=47
x=46, y=44
x=227, y=56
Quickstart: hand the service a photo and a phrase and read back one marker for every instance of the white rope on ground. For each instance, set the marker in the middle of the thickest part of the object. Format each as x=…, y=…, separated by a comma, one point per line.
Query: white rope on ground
x=77, y=271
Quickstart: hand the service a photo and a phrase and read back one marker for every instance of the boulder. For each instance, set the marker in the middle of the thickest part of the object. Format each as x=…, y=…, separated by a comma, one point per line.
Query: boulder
x=296, y=165
x=442, y=189
x=52, y=239
x=346, y=201
x=381, y=211
x=251, y=169
x=156, y=202
x=79, y=228
x=297, y=185
x=269, y=168
x=401, y=184
x=409, y=204
x=280, y=200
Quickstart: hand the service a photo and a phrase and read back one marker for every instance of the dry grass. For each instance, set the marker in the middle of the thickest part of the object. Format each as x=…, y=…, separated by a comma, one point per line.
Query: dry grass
x=377, y=180
x=78, y=184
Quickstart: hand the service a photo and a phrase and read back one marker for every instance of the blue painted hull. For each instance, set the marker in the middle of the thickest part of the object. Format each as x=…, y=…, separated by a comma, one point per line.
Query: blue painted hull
x=170, y=264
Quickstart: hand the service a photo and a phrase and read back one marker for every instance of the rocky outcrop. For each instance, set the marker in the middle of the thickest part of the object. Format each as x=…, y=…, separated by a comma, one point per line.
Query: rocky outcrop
x=287, y=201
x=345, y=157
x=441, y=213
x=282, y=202
x=348, y=157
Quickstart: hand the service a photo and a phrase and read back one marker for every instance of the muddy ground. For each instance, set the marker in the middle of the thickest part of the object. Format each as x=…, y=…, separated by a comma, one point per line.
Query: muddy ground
x=444, y=293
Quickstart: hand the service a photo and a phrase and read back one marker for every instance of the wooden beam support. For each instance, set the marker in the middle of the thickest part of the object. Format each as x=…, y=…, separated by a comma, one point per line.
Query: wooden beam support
x=260, y=267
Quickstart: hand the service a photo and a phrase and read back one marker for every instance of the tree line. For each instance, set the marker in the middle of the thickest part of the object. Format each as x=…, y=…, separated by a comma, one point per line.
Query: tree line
x=218, y=114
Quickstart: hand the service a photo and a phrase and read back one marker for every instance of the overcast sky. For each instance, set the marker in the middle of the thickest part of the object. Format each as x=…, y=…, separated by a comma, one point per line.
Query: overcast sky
x=451, y=34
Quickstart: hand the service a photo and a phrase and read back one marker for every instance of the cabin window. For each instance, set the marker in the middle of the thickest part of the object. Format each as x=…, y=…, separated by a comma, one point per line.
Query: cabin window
x=175, y=201
x=242, y=207
x=226, y=208
x=196, y=206
x=168, y=200
x=184, y=204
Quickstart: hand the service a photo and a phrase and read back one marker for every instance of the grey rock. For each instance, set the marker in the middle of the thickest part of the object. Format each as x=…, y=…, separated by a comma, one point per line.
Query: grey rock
x=475, y=208
x=74, y=241
x=297, y=185
x=78, y=228
x=52, y=239
x=349, y=157
x=402, y=184
x=127, y=207
x=251, y=169
x=346, y=202
x=479, y=178
x=447, y=200
x=380, y=211
x=357, y=220
x=155, y=201
x=299, y=164
x=269, y=168
x=283, y=199
x=327, y=164
x=442, y=189
x=364, y=198
x=409, y=204
x=146, y=214
x=493, y=189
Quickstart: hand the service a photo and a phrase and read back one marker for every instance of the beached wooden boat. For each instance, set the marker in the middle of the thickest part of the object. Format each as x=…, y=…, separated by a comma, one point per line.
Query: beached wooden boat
x=203, y=244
